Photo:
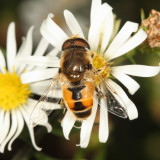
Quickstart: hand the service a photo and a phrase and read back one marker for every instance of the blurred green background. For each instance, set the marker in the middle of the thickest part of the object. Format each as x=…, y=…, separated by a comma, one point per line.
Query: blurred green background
x=128, y=140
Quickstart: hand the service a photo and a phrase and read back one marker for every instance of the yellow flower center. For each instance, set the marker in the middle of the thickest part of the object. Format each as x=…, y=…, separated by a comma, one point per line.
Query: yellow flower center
x=12, y=92
x=101, y=66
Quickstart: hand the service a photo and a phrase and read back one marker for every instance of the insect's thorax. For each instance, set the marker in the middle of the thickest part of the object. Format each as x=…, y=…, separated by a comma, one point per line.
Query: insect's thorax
x=74, y=60
x=74, y=64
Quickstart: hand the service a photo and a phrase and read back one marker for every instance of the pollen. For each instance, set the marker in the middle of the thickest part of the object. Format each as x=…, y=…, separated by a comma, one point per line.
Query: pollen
x=98, y=61
x=101, y=66
x=13, y=93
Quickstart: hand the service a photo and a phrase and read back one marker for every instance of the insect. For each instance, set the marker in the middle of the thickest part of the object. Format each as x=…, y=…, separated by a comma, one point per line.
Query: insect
x=80, y=79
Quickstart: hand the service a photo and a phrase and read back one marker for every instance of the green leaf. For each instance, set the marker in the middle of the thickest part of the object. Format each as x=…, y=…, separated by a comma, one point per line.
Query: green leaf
x=142, y=15
x=131, y=58
x=147, y=49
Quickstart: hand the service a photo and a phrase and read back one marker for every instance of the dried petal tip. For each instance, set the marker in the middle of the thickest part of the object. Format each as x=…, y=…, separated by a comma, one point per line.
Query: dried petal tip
x=151, y=25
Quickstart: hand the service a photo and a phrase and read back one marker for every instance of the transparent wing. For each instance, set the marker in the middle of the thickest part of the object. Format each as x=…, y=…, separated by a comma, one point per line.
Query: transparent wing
x=49, y=101
x=115, y=104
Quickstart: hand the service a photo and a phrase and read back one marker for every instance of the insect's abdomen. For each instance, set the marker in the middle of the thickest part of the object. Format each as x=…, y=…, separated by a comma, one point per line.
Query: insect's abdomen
x=79, y=99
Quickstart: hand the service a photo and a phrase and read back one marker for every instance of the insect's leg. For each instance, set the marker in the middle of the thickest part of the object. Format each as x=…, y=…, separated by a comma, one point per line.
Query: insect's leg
x=89, y=66
x=98, y=90
x=62, y=104
x=59, y=71
x=92, y=54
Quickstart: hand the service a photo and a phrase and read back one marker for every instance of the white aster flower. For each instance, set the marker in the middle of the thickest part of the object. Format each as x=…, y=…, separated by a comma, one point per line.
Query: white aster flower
x=99, y=36
x=16, y=104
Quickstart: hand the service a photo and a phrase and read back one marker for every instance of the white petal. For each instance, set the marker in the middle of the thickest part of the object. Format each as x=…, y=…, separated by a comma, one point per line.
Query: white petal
x=40, y=61
x=38, y=75
x=2, y=113
x=31, y=104
x=127, y=81
x=42, y=47
x=138, y=70
x=73, y=24
x=95, y=28
x=5, y=126
x=103, y=125
x=21, y=46
x=116, y=26
x=26, y=51
x=11, y=46
x=41, y=83
x=52, y=32
x=20, y=126
x=38, y=116
x=107, y=31
x=50, y=38
x=94, y=9
x=53, y=52
x=11, y=131
x=133, y=42
x=48, y=105
x=42, y=118
x=2, y=62
x=86, y=127
x=121, y=38
x=54, y=28
x=123, y=99
x=40, y=87
x=67, y=124
x=30, y=128
x=48, y=126
x=28, y=44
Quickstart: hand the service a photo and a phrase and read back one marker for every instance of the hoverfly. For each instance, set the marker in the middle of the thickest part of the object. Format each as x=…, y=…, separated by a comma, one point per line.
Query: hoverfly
x=77, y=80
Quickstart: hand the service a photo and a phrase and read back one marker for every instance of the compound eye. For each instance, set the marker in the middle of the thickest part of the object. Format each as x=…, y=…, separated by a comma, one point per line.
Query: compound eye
x=66, y=45
x=75, y=42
